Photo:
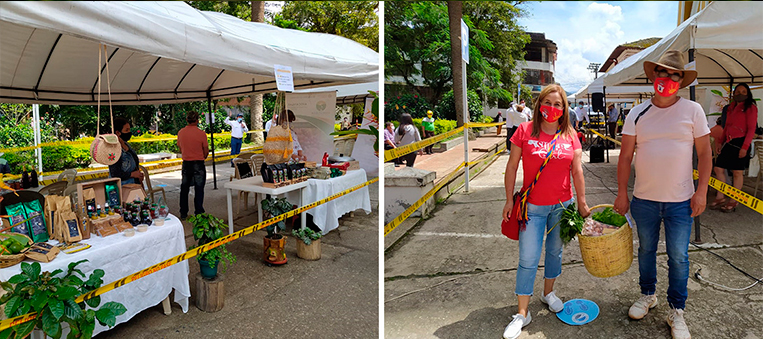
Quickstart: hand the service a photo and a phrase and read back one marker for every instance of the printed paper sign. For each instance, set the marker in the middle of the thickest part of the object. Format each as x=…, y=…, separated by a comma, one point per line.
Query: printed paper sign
x=284, y=78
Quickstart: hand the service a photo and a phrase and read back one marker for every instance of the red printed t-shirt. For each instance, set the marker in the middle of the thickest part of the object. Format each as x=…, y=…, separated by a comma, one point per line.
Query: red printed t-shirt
x=554, y=183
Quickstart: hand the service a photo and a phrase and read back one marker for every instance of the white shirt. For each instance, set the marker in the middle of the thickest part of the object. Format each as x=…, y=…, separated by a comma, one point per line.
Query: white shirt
x=237, y=129
x=297, y=147
x=515, y=117
x=582, y=113
x=268, y=125
x=664, y=145
x=411, y=135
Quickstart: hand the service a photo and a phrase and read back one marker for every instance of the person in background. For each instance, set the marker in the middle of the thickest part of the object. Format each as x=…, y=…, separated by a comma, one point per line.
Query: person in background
x=297, y=152
x=4, y=167
x=582, y=114
x=733, y=145
x=345, y=125
x=427, y=128
x=406, y=133
x=237, y=130
x=612, y=116
x=194, y=149
x=269, y=124
x=126, y=168
x=546, y=202
x=663, y=132
x=389, y=139
x=498, y=118
x=517, y=114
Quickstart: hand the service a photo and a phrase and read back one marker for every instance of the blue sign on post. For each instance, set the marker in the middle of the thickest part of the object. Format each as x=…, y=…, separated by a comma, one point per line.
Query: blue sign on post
x=464, y=41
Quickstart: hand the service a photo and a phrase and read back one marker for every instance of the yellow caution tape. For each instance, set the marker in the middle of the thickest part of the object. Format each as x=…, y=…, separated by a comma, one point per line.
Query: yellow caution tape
x=603, y=137
x=189, y=254
x=403, y=150
x=484, y=124
x=734, y=193
x=407, y=213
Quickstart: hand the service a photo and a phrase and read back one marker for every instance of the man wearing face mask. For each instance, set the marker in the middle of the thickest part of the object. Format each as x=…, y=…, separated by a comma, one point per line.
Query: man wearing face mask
x=581, y=113
x=663, y=132
x=126, y=168
x=237, y=130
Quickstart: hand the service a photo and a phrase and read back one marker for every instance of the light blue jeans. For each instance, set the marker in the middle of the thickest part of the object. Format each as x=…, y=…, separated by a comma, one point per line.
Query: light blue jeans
x=541, y=219
x=676, y=216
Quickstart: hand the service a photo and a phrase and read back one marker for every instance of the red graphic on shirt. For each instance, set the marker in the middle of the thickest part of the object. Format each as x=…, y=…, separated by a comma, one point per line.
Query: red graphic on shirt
x=540, y=148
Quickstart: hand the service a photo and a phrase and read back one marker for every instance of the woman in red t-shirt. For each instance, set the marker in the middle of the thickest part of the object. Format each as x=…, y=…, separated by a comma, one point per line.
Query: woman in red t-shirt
x=531, y=142
x=733, y=146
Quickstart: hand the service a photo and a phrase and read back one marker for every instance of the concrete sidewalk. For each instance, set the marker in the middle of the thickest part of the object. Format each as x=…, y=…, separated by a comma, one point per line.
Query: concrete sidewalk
x=334, y=297
x=453, y=275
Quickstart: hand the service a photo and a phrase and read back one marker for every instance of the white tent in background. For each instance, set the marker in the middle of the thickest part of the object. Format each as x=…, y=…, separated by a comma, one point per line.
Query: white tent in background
x=727, y=41
x=160, y=52
x=348, y=94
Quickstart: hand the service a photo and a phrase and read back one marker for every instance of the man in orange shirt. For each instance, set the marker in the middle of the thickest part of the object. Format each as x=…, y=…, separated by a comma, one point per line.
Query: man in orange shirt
x=194, y=149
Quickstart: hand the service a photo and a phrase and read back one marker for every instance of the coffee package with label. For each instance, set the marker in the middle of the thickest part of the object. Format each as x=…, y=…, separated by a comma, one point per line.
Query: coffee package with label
x=50, y=214
x=113, y=197
x=38, y=230
x=68, y=222
x=104, y=229
x=17, y=216
x=88, y=196
x=42, y=252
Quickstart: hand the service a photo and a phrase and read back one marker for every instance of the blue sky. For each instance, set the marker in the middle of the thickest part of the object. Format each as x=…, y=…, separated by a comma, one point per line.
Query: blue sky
x=586, y=32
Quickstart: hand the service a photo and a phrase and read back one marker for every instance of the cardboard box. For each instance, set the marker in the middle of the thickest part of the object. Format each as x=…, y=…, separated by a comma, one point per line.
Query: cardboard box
x=354, y=165
x=99, y=186
x=130, y=192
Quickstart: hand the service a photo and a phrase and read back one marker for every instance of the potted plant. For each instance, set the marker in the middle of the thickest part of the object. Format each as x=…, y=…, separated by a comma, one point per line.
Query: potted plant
x=273, y=242
x=208, y=228
x=308, y=243
x=52, y=295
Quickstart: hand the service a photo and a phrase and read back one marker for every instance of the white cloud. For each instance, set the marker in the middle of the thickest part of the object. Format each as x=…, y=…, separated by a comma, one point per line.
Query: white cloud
x=587, y=32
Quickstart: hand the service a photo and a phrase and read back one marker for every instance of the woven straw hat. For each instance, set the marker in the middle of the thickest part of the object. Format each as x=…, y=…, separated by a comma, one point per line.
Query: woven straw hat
x=673, y=60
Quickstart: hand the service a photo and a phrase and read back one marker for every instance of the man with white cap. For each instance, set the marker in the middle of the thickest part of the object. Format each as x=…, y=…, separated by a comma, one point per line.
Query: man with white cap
x=663, y=132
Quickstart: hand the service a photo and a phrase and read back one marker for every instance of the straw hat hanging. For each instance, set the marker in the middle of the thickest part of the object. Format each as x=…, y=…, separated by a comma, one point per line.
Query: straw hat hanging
x=106, y=148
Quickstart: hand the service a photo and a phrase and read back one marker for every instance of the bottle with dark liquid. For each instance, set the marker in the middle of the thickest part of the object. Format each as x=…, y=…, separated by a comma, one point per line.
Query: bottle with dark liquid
x=33, y=179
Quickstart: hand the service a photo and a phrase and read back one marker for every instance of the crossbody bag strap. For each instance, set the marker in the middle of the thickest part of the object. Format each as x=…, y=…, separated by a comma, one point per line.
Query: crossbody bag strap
x=642, y=113
x=526, y=193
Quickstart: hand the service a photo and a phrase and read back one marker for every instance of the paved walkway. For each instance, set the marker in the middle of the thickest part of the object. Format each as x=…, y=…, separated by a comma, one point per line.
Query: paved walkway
x=453, y=275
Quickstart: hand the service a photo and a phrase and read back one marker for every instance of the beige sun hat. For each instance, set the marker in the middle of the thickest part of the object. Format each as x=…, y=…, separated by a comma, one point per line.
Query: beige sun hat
x=673, y=60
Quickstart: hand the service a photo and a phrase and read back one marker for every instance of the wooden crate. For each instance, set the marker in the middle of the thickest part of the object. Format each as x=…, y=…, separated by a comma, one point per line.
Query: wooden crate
x=99, y=186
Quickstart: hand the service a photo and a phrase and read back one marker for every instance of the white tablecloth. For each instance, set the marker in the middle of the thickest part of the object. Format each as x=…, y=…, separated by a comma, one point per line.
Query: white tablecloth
x=120, y=256
x=327, y=216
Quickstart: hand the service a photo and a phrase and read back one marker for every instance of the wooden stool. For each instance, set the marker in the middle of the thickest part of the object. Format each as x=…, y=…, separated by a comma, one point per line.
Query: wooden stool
x=210, y=294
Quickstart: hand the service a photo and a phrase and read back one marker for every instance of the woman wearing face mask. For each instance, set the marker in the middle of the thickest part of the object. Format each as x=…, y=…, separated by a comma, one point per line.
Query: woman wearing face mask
x=733, y=146
x=549, y=132
x=126, y=168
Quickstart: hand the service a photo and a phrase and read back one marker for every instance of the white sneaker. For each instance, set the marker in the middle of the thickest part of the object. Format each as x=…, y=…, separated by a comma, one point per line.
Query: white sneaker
x=554, y=303
x=641, y=307
x=678, y=327
x=515, y=327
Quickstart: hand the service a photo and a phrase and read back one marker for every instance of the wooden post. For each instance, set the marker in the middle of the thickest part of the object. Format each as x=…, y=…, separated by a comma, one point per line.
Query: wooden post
x=309, y=252
x=210, y=294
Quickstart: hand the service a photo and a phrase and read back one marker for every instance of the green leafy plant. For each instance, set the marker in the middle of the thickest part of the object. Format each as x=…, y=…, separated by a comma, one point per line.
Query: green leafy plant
x=307, y=235
x=276, y=207
x=52, y=296
x=208, y=228
x=609, y=217
x=571, y=223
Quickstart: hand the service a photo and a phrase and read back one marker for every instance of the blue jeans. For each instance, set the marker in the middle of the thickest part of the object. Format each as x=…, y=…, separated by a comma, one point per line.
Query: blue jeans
x=678, y=221
x=235, y=146
x=541, y=219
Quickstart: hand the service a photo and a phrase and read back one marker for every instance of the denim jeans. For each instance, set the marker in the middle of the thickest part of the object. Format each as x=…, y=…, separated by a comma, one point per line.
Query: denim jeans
x=193, y=173
x=678, y=221
x=235, y=146
x=541, y=219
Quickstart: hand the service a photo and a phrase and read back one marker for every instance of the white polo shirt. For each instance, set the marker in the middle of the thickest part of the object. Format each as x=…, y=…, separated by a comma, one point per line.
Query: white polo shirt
x=236, y=128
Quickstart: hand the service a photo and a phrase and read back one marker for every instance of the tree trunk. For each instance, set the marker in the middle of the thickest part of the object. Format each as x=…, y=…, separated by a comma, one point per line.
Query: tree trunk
x=255, y=101
x=454, y=18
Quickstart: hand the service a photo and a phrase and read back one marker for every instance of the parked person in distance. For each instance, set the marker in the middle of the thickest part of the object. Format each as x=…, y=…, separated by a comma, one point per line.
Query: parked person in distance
x=406, y=133
x=272, y=122
x=582, y=114
x=611, y=117
x=389, y=139
x=531, y=143
x=663, y=132
x=733, y=145
x=237, y=130
x=427, y=127
x=126, y=168
x=515, y=116
x=194, y=149
x=498, y=118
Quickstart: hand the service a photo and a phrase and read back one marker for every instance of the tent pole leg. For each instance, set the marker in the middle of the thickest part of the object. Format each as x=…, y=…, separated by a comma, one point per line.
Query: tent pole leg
x=212, y=132
x=695, y=160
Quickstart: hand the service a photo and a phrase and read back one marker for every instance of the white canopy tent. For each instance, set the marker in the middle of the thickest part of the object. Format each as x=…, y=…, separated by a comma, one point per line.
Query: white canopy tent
x=348, y=94
x=727, y=41
x=160, y=52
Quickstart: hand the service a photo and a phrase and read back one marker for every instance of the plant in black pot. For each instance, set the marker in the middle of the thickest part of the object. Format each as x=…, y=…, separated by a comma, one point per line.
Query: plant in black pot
x=208, y=228
x=308, y=243
x=273, y=242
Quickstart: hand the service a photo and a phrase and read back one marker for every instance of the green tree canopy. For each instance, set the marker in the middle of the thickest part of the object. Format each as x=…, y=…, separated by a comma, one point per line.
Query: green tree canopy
x=417, y=44
x=356, y=20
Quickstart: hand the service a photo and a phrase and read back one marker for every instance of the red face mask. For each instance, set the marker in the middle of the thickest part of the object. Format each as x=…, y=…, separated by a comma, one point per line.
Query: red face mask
x=665, y=86
x=550, y=113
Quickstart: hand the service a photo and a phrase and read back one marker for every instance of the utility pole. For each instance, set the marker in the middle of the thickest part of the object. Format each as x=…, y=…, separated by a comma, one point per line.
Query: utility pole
x=594, y=67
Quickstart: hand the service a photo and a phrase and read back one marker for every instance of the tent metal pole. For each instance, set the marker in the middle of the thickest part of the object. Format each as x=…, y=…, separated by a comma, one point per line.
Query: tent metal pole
x=212, y=132
x=695, y=160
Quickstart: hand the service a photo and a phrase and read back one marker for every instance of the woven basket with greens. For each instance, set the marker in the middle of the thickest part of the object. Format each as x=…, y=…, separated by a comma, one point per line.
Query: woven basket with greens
x=571, y=223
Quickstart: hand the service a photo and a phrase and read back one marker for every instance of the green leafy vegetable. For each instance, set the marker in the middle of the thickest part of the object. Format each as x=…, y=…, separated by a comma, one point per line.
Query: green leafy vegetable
x=609, y=217
x=571, y=223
